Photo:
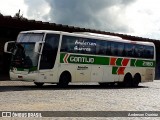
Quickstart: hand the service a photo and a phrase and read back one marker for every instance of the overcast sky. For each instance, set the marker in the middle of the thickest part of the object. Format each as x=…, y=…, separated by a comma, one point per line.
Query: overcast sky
x=133, y=17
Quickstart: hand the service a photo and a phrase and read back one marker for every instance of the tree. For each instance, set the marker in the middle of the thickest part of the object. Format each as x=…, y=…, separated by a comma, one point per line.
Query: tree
x=18, y=15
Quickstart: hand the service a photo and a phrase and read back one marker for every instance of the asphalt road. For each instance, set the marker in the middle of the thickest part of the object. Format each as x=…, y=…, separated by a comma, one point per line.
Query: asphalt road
x=25, y=96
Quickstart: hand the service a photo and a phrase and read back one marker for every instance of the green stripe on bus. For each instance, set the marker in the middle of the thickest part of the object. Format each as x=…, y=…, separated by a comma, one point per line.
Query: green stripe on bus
x=81, y=59
x=33, y=69
x=119, y=62
x=101, y=60
x=132, y=62
x=143, y=63
x=114, y=70
x=62, y=57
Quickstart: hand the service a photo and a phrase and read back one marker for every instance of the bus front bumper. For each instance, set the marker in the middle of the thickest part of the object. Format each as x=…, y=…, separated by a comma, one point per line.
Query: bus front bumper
x=23, y=77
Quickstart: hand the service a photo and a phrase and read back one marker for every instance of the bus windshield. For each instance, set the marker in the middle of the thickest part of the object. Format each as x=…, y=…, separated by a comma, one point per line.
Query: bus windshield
x=30, y=37
x=23, y=52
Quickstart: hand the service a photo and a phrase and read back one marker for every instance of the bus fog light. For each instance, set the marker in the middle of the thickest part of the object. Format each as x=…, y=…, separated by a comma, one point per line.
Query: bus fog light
x=20, y=77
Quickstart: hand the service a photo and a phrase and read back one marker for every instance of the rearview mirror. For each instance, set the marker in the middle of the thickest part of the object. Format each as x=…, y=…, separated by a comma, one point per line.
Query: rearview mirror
x=8, y=47
x=38, y=46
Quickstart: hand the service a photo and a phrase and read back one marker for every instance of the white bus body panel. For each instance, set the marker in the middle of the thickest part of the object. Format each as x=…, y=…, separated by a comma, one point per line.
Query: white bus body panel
x=84, y=72
x=97, y=73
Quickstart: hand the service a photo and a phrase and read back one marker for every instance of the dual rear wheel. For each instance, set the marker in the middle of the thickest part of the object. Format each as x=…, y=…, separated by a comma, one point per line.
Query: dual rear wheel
x=131, y=82
x=128, y=81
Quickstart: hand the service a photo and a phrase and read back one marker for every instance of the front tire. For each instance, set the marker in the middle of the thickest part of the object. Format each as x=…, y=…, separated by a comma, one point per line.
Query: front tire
x=64, y=80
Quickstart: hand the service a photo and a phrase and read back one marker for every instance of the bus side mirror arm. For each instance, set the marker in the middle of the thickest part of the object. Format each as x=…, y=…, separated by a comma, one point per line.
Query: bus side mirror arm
x=37, y=47
x=6, y=46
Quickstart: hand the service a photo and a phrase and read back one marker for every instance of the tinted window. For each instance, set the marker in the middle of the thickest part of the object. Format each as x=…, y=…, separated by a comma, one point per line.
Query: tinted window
x=114, y=48
x=129, y=50
x=120, y=49
x=78, y=45
x=103, y=47
x=149, y=52
x=49, y=52
x=139, y=49
x=117, y=48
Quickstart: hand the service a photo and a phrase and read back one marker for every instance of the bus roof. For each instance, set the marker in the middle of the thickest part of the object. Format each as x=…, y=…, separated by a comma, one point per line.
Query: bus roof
x=142, y=43
x=98, y=35
x=92, y=35
x=40, y=31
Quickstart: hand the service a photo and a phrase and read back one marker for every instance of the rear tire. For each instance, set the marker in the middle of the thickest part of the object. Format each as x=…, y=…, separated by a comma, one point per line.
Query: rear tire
x=128, y=80
x=38, y=84
x=136, y=80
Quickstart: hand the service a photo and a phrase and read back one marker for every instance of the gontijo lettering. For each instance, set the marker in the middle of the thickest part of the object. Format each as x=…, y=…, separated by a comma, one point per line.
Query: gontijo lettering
x=81, y=59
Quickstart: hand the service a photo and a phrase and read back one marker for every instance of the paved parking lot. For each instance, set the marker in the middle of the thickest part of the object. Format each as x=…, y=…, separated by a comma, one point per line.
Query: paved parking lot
x=25, y=96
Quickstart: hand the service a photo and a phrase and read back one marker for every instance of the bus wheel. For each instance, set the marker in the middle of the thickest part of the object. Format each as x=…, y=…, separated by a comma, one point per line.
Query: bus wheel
x=128, y=80
x=136, y=80
x=64, y=80
x=38, y=84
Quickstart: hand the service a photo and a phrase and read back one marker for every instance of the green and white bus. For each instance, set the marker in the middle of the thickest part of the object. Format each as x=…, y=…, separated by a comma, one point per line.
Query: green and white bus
x=43, y=56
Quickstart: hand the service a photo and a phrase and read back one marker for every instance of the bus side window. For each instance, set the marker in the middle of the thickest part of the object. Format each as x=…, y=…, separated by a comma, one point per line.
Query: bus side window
x=149, y=52
x=108, y=48
x=101, y=47
x=117, y=49
x=65, y=44
x=139, y=49
x=90, y=47
x=114, y=48
x=129, y=50
x=121, y=49
x=68, y=44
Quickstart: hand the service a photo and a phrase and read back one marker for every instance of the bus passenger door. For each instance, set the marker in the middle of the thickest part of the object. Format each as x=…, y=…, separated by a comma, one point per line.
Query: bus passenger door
x=47, y=69
x=83, y=73
x=97, y=73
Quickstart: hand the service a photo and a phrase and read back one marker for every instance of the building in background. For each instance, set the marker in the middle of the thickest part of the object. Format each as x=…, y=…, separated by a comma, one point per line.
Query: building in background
x=11, y=26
